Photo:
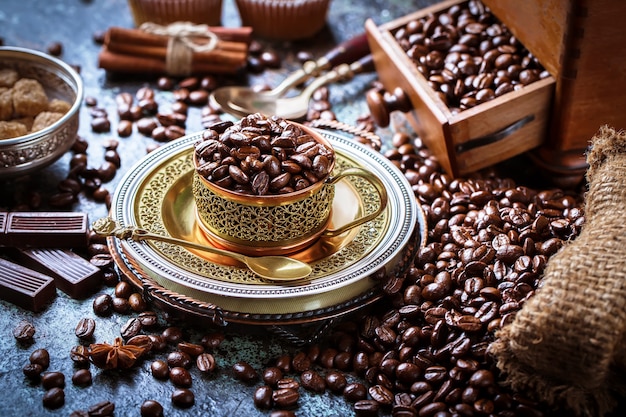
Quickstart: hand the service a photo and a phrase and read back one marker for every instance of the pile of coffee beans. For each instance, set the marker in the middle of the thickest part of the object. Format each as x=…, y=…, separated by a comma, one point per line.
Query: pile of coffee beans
x=467, y=55
x=262, y=155
x=424, y=349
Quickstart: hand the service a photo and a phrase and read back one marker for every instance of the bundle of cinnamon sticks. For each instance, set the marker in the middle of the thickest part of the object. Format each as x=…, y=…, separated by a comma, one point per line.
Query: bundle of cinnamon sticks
x=140, y=52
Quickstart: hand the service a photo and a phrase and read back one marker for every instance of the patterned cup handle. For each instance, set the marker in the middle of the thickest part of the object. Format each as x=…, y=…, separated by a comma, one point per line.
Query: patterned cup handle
x=382, y=195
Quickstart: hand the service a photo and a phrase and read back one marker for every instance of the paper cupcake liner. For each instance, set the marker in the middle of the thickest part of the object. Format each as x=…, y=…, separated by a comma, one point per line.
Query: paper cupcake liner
x=168, y=11
x=284, y=19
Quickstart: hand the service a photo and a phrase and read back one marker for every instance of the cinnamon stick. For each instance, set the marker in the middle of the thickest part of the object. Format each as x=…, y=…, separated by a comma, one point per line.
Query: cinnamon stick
x=215, y=56
x=129, y=64
x=138, y=51
x=122, y=36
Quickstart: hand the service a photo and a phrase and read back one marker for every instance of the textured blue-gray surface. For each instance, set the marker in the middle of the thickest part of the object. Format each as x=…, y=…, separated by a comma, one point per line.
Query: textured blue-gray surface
x=36, y=24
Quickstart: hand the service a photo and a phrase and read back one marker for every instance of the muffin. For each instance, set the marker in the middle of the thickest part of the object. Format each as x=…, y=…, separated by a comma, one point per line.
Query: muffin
x=163, y=12
x=283, y=19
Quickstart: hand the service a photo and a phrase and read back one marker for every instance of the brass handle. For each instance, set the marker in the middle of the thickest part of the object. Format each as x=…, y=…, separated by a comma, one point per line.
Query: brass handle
x=382, y=194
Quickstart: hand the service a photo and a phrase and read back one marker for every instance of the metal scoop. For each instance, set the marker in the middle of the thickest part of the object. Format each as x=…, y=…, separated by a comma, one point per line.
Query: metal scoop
x=295, y=107
x=273, y=268
x=243, y=96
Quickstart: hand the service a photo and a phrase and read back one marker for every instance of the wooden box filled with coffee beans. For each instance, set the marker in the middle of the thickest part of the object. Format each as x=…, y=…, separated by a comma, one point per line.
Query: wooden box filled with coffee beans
x=473, y=93
x=581, y=44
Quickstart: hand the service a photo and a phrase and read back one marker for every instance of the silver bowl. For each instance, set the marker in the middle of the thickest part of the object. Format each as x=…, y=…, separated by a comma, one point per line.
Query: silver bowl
x=34, y=151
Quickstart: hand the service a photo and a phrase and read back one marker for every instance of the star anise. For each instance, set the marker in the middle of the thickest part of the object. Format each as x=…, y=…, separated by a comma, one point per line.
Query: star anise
x=115, y=356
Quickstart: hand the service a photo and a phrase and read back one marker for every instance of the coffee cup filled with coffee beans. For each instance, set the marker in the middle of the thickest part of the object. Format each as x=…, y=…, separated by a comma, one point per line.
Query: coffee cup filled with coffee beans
x=265, y=185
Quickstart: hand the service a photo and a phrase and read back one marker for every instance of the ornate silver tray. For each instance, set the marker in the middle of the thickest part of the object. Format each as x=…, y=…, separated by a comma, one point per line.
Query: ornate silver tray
x=155, y=194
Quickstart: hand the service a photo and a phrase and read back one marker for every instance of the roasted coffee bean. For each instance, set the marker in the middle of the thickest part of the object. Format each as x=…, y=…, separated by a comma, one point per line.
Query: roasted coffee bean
x=123, y=289
x=191, y=349
x=85, y=328
x=137, y=303
x=79, y=354
x=300, y=362
x=313, y=381
x=120, y=305
x=159, y=369
x=24, y=332
x=63, y=199
x=55, y=48
x=151, y=408
x=146, y=125
x=141, y=340
x=205, y=362
x=125, y=128
x=103, y=305
x=41, y=357
x=100, y=124
x=159, y=344
x=82, y=377
x=178, y=358
x=165, y=83
x=183, y=397
x=54, y=398
x=180, y=377
x=354, y=392
x=336, y=381
x=367, y=408
x=131, y=328
x=172, y=334
x=102, y=409
x=263, y=397
x=212, y=341
x=270, y=59
x=53, y=379
x=107, y=171
x=243, y=371
x=285, y=397
x=32, y=371
x=272, y=375
x=198, y=98
x=147, y=318
x=288, y=382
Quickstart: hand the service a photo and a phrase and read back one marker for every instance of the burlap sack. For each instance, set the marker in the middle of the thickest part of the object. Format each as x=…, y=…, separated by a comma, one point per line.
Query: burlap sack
x=567, y=345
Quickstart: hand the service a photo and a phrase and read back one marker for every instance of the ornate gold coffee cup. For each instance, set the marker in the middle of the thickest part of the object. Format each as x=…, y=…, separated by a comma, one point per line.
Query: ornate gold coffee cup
x=276, y=223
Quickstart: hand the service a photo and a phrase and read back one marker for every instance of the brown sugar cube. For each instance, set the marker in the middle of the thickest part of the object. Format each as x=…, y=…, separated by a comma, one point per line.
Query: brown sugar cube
x=59, y=106
x=6, y=104
x=29, y=97
x=11, y=129
x=45, y=119
x=26, y=121
x=8, y=77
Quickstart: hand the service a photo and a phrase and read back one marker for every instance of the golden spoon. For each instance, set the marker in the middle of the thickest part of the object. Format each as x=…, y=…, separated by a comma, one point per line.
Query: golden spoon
x=274, y=268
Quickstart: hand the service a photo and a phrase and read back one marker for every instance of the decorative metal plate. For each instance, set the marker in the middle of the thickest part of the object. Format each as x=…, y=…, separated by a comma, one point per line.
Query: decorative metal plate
x=156, y=195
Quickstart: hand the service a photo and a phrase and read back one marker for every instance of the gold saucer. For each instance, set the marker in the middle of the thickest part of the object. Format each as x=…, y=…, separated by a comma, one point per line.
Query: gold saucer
x=156, y=195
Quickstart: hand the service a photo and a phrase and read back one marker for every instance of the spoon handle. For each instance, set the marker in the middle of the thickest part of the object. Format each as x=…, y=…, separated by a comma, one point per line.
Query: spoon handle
x=341, y=72
x=345, y=52
x=109, y=227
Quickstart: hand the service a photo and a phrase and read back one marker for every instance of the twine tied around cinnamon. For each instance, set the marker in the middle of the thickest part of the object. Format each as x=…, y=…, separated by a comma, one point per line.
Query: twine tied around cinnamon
x=182, y=43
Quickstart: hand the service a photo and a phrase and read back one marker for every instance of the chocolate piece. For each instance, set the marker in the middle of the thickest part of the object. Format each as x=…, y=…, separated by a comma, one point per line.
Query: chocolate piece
x=3, y=224
x=24, y=287
x=46, y=229
x=72, y=274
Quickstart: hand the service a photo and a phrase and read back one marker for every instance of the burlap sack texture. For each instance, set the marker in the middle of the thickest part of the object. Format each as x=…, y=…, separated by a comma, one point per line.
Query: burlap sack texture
x=567, y=345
